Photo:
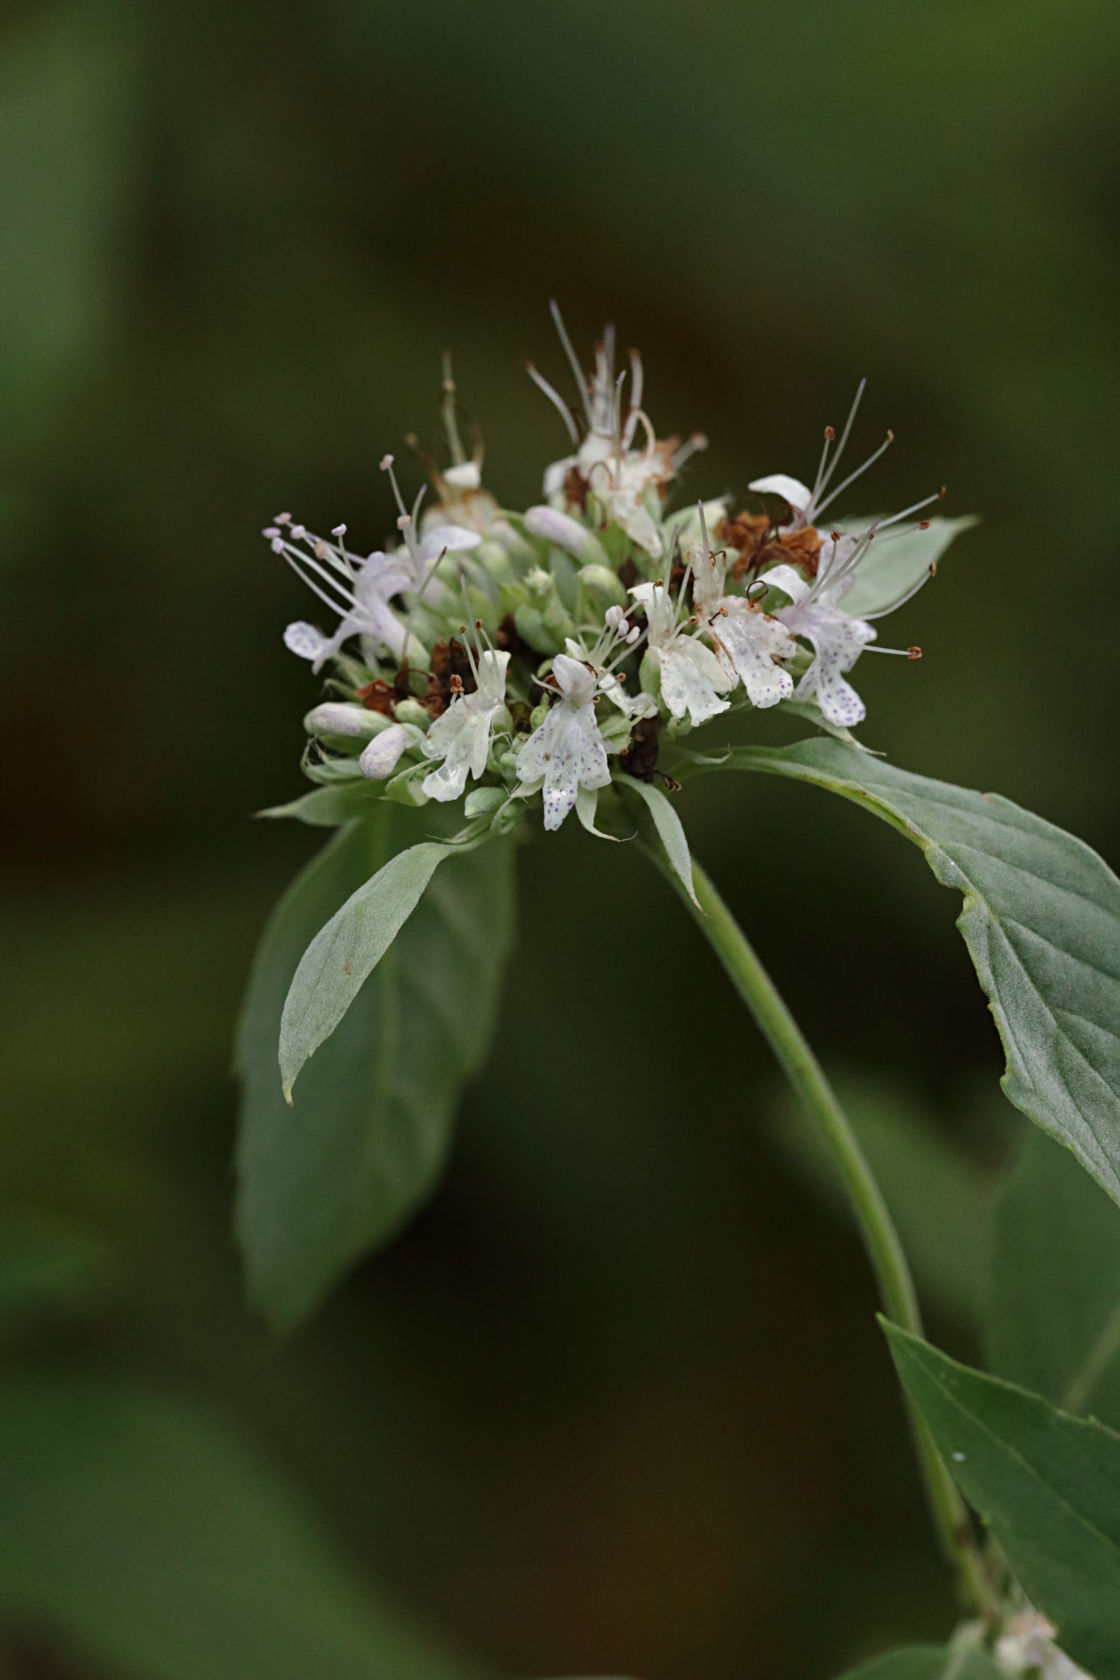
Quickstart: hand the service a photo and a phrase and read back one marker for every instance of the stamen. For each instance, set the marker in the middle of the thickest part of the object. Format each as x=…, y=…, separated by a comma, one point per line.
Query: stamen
x=844, y=436
x=386, y=464
x=690, y=447
x=906, y=512
x=450, y=423
x=573, y=359
x=907, y=595
x=555, y=399
x=818, y=485
x=852, y=476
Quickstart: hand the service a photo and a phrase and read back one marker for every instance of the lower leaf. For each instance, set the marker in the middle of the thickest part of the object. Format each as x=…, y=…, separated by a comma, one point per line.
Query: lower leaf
x=327, y=1182
x=1047, y=1484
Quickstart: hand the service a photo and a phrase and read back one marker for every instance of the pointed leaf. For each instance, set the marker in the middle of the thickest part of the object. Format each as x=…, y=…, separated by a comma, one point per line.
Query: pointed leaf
x=154, y=1542
x=1053, y=1318
x=326, y=1182
x=670, y=831
x=1041, y=920
x=1047, y=1484
x=329, y=807
x=347, y=950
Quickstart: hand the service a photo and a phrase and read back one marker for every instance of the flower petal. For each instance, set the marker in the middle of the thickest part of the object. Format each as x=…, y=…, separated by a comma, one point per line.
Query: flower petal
x=692, y=679
x=792, y=490
x=751, y=641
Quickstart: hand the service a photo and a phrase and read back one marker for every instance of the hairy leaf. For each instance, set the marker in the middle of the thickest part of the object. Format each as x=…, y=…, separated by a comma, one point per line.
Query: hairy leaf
x=1041, y=920
x=1053, y=1312
x=325, y=1182
x=1047, y=1484
x=149, y=1539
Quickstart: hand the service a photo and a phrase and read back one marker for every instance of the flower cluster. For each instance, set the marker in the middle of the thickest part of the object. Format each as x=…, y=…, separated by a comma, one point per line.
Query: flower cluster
x=502, y=655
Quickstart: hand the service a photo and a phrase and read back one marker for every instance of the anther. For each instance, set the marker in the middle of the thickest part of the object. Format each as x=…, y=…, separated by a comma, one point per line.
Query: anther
x=385, y=462
x=913, y=653
x=338, y=530
x=283, y=519
x=923, y=524
x=830, y=433
x=942, y=493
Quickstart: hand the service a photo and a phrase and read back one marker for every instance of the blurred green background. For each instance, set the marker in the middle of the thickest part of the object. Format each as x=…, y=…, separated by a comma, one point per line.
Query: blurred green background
x=616, y=1401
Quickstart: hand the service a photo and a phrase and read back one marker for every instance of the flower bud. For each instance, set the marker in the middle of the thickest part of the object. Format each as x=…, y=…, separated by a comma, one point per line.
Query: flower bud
x=380, y=758
x=337, y=717
x=565, y=532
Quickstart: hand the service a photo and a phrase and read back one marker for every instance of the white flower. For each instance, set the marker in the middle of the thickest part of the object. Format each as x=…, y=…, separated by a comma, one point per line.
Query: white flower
x=357, y=591
x=748, y=641
x=461, y=736
x=837, y=638
x=567, y=750
x=692, y=678
x=614, y=641
x=625, y=481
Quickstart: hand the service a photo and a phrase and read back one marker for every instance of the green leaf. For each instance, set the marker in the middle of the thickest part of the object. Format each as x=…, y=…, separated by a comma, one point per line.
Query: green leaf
x=345, y=952
x=670, y=831
x=897, y=561
x=153, y=1542
x=939, y=1196
x=329, y=807
x=1047, y=1484
x=323, y=1184
x=1053, y=1320
x=926, y=1662
x=1041, y=920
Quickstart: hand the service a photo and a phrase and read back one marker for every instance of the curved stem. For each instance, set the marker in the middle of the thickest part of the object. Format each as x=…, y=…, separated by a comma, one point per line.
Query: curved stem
x=892, y=1273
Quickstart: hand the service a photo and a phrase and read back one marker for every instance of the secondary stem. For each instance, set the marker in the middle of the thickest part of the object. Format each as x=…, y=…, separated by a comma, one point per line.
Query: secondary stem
x=896, y=1286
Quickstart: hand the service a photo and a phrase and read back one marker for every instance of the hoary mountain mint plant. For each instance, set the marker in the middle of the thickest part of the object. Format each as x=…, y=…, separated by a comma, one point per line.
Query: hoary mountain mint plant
x=493, y=673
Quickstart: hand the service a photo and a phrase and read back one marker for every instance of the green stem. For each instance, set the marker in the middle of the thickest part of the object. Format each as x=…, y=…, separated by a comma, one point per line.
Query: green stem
x=896, y=1286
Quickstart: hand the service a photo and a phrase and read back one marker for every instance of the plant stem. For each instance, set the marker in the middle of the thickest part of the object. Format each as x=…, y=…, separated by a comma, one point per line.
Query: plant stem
x=896, y=1286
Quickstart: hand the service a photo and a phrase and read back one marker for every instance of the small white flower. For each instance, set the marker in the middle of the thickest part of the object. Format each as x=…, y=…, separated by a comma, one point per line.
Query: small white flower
x=837, y=638
x=692, y=678
x=748, y=641
x=461, y=736
x=357, y=591
x=567, y=751
x=381, y=757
